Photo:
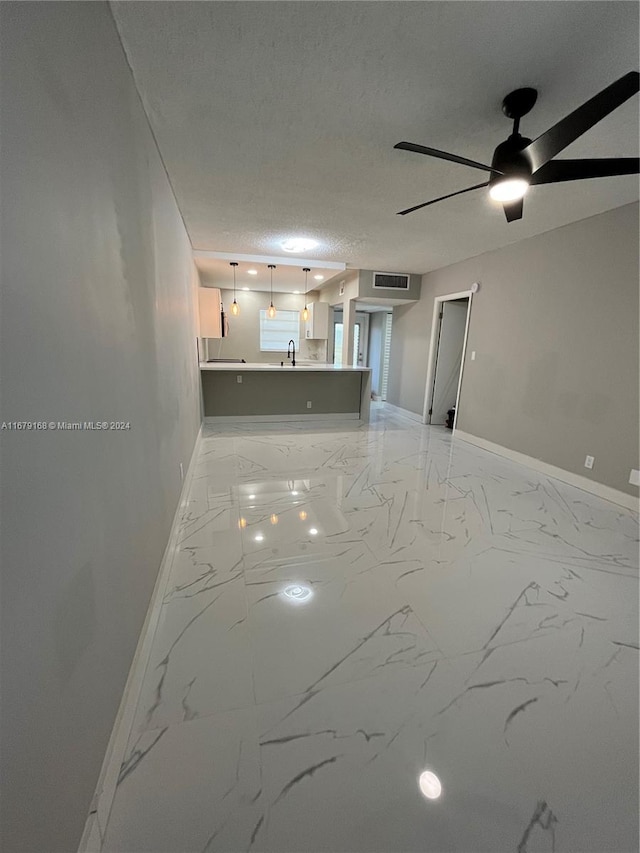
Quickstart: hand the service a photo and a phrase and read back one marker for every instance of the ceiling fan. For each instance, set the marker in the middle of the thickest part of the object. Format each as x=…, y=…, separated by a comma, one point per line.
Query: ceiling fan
x=519, y=163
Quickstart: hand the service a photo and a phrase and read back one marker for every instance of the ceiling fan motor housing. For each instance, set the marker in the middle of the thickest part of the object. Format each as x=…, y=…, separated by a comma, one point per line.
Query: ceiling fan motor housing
x=509, y=160
x=518, y=160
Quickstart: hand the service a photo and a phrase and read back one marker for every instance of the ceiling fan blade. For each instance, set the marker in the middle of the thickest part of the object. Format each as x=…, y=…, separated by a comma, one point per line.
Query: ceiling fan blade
x=566, y=131
x=442, y=198
x=513, y=209
x=444, y=155
x=578, y=170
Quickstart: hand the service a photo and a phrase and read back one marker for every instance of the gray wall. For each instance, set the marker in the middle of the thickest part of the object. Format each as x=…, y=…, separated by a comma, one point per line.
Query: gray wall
x=331, y=291
x=555, y=329
x=244, y=330
x=366, y=289
x=359, y=283
x=97, y=324
x=275, y=393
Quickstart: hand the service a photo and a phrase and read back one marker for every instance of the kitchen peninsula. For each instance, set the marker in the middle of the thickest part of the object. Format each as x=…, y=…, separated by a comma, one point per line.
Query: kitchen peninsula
x=271, y=392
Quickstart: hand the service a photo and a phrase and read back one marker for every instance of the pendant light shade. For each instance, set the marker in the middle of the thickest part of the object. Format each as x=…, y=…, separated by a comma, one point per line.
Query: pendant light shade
x=235, y=308
x=305, y=311
x=271, y=311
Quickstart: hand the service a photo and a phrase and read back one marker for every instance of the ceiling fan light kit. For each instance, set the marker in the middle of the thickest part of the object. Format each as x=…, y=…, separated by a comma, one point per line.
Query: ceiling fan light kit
x=519, y=162
x=510, y=189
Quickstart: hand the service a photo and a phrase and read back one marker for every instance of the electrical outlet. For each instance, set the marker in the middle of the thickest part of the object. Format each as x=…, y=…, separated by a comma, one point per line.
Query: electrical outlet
x=634, y=477
x=473, y=355
x=308, y=404
x=239, y=379
x=181, y=472
x=588, y=462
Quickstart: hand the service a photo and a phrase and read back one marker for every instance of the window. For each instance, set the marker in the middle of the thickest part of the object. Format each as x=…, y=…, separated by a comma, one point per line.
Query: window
x=275, y=334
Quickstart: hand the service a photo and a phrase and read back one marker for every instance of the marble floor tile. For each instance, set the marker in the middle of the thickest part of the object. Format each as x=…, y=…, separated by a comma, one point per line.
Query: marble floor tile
x=201, y=657
x=350, y=624
x=268, y=528
x=352, y=605
x=189, y=788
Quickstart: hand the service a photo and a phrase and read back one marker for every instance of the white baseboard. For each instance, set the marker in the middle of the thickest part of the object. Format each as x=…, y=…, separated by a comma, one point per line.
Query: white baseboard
x=591, y=486
x=268, y=419
x=96, y=823
x=404, y=412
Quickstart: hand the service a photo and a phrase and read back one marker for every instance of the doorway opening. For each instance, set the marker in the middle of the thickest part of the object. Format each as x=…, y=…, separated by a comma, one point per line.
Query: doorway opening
x=449, y=331
x=379, y=351
x=360, y=338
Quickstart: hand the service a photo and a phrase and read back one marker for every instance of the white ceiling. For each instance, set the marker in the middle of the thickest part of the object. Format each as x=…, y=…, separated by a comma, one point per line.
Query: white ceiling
x=216, y=272
x=279, y=118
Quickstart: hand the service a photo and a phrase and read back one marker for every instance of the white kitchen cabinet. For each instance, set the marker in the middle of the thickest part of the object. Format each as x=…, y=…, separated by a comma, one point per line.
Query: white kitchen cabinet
x=210, y=312
x=317, y=326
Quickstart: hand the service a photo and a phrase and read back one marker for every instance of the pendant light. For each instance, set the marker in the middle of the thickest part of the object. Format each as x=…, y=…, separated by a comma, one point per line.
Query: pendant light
x=305, y=313
x=271, y=311
x=235, y=308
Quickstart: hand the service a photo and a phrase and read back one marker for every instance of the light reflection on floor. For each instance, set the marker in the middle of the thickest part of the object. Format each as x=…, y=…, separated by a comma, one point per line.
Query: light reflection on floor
x=463, y=675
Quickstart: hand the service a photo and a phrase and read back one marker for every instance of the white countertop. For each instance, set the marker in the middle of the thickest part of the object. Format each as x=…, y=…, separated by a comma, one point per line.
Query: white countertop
x=321, y=367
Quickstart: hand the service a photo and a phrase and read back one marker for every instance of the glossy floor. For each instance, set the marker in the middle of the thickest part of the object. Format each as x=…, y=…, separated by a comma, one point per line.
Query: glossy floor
x=351, y=606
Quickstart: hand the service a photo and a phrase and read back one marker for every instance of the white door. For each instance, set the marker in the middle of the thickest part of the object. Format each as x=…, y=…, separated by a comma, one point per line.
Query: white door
x=453, y=319
x=361, y=339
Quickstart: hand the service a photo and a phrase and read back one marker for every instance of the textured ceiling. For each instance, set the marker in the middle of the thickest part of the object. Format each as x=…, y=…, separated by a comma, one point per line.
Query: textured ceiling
x=279, y=118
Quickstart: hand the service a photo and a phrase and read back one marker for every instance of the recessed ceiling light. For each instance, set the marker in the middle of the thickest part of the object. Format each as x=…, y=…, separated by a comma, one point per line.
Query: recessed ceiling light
x=430, y=785
x=299, y=244
x=252, y=497
x=252, y=272
x=259, y=537
x=245, y=288
x=319, y=277
x=297, y=593
x=313, y=531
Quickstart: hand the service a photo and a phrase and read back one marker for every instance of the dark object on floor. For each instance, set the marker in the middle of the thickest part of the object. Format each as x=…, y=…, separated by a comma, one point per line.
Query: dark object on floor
x=226, y=360
x=450, y=416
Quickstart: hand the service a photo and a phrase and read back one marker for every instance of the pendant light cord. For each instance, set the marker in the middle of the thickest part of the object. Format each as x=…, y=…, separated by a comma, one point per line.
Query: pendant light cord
x=306, y=271
x=271, y=269
x=234, y=264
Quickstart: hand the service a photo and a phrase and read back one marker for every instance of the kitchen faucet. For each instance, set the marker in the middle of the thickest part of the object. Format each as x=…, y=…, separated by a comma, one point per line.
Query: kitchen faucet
x=292, y=346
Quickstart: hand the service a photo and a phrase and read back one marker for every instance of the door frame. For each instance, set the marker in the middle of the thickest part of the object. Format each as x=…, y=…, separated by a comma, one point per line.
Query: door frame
x=361, y=317
x=433, y=344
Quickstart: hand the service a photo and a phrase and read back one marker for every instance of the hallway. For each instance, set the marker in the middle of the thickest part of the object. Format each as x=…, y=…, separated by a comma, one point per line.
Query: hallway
x=349, y=606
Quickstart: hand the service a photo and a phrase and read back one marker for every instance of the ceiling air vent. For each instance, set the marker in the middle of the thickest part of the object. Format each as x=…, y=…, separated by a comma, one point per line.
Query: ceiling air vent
x=390, y=281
